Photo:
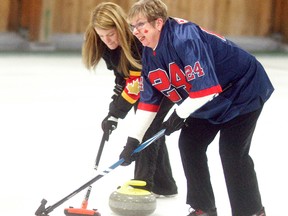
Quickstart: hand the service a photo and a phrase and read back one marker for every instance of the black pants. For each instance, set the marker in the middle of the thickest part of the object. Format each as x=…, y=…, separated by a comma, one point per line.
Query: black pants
x=234, y=145
x=153, y=164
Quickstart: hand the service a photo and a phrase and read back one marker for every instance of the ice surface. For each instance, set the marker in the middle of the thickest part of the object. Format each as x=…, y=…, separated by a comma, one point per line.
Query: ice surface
x=51, y=108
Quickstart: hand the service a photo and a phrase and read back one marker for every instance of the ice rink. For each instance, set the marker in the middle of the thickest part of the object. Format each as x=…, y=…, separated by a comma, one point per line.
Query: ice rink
x=51, y=110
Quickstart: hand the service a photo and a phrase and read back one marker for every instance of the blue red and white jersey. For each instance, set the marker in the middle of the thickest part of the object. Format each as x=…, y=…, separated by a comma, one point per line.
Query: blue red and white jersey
x=191, y=62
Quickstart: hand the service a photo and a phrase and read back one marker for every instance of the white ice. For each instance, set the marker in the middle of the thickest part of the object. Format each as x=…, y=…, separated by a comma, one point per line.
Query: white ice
x=51, y=109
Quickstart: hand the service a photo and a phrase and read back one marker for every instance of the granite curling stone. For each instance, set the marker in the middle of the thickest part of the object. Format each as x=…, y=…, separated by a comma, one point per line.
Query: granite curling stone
x=131, y=200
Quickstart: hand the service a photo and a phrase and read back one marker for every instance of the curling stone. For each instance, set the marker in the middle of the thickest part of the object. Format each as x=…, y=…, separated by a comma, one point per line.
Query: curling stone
x=130, y=201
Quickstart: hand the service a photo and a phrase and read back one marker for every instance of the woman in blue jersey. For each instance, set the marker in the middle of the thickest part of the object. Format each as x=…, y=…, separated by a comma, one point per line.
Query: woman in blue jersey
x=218, y=87
x=108, y=37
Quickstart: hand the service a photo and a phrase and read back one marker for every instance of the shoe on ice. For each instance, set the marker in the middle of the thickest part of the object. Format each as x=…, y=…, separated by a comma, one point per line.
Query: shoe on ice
x=165, y=196
x=198, y=212
x=260, y=213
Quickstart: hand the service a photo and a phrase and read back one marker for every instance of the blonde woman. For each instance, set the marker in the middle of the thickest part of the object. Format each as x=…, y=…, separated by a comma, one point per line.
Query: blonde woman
x=108, y=36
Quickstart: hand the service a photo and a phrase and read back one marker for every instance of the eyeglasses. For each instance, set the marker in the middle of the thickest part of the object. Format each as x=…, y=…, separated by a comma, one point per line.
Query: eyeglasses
x=138, y=26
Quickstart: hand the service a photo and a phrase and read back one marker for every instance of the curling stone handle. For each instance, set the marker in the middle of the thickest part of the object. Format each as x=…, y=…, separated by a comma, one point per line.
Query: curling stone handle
x=135, y=183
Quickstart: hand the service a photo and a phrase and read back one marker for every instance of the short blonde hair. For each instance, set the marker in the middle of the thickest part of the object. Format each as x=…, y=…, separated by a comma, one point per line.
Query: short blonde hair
x=151, y=9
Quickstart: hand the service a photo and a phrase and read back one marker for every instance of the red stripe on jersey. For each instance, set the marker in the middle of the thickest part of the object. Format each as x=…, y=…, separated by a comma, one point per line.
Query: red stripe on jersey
x=148, y=107
x=206, y=92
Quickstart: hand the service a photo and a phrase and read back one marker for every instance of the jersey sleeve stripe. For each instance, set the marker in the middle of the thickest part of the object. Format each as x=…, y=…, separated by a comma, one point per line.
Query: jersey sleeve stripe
x=205, y=92
x=148, y=107
x=128, y=98
x=135, y=73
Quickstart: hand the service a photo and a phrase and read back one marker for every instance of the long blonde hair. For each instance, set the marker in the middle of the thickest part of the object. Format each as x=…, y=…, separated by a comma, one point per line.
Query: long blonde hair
x=109, y=15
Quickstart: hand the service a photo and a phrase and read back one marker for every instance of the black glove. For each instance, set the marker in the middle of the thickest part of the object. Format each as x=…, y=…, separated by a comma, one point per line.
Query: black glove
x=173, y=123
x=126, y=154
x=108, y=125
